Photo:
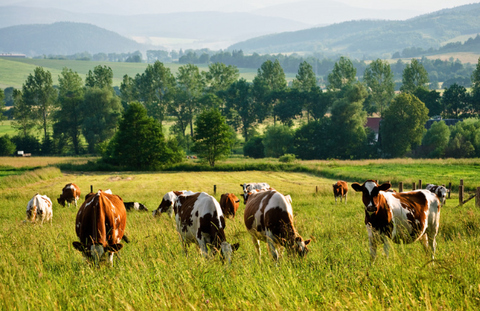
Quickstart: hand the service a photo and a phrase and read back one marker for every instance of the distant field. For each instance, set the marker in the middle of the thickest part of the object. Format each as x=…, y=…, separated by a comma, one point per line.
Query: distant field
x=14, y=72
x=6, y=128
x=464, y=57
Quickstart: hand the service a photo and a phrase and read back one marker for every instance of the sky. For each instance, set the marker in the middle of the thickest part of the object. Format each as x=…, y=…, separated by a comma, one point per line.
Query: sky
x=127, y=7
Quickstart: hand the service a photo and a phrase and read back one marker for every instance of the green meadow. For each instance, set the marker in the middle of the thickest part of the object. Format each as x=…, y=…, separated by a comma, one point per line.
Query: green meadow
x=40, y=270
x=14, y=71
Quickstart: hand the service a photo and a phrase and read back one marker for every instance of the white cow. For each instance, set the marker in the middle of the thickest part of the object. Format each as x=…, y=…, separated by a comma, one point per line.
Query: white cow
x=249, y=188
x=39, y=208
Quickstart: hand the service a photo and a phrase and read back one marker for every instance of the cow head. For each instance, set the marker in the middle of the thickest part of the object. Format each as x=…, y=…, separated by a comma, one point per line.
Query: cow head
x=96, y=252
x=61, y=201
x=227, y=250
x=370, y=197
x=167, y=204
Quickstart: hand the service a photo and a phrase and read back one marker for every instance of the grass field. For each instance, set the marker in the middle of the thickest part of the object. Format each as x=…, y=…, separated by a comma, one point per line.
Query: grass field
x=39, y=269
x=14, y=72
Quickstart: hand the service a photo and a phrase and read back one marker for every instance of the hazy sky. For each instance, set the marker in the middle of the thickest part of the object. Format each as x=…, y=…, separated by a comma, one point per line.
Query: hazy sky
x=169, y=6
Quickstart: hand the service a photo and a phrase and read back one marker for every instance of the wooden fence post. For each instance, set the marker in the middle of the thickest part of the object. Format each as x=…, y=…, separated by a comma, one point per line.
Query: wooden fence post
x=413, y=186
x=214, y=189
x=460, y=195
x=91, y=188
x=400, y=186
x=419, y=184
x=316, y=189
x=449, y=189
x=477, y=197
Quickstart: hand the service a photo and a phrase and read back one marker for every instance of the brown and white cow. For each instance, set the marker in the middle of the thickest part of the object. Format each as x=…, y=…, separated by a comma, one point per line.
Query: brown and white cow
x=229, y=204
x=404, y=216
x=100, y=225
x=340, y=190
x=269, y=218
x=39, y=208
x=70, y=193
x=440, y=191
x=168, y=202
x=249, y=188
x=200, y=220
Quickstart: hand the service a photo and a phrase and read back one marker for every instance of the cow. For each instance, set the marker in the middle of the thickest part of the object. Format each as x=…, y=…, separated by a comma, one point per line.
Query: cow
x=39, y=208
x=168, y=202
x=340, y=189
x=440, y=191
x=249, y=188
x=100, y=225
x=229, y=204
x=135, y=206
x=200, y=220
x=404, y=216
x=70, y=193
x=269, y=218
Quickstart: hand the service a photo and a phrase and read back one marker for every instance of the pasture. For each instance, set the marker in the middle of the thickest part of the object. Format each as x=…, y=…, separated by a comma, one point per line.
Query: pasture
x=39, y=269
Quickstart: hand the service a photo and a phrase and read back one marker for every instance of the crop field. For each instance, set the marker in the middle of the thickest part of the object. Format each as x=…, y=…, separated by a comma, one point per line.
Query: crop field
x=39, y=268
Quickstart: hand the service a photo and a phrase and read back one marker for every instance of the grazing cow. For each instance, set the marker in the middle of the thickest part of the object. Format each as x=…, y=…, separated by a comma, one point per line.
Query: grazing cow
x=440, y=191
x=340, y=189
x=404, y=216
x=39, y=208
x=249, y=188
x=135, y=206
x=100, y=225
x=269, y=218
x=70, y=193
x=168, y=202
x=229, y=204
x=200, y=220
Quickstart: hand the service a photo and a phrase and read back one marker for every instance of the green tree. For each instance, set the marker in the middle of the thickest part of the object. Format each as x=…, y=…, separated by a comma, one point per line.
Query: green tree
x=69, y=118
x=268, y=84
x=254, y=148
x=431, y=99
x=414, y=76
x=2, y=105
x=213, y=138
x=139, y=142
x=456, y=101
x=278, y=140
x=379, y=79
x=312, y=140
x=101, y=77
x=403, y=125
x=290, y=105
x=305, y=80
x=190, y=85
x=219, y=77
x=476, y=76
x=39, y=95
x=24, y=120
x=103, y=110
x=436, y=140
x=7, y=147
x=343, y=74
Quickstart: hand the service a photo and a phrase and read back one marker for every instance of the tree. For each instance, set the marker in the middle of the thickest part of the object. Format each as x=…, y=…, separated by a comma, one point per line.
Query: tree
x=103, y=110
x=278, y=141
x=102, y=76
x=24, y=120
x=379, y=79
x=476, y=76
x=431, y=99
x=219, y=77
x=69, y=118
x=7, y=147
x=190, y=85
x=254, y=148
x=456, y=101
x=213, y=138
x=39, y=95
x=343, y=73
x=305, y=79
x=2, y=105
x=267, y=84
x=139, y=142
x=290, y=105
x=403, y=125
x=436, y=140
x=414, y=76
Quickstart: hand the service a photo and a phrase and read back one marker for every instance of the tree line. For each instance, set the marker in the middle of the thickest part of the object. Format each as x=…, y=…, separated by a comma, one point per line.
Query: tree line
x=206, y=109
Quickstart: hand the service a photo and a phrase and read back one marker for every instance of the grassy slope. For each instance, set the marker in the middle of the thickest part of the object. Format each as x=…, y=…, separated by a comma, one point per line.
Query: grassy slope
x=40, y=269
x=14, y=72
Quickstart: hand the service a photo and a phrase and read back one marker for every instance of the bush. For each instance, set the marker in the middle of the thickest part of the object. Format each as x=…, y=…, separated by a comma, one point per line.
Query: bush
x=287, y=158
x=7, y=147
x=254, y=148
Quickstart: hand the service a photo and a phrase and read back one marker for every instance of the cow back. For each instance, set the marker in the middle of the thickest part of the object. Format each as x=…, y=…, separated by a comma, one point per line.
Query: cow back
x=229, y=204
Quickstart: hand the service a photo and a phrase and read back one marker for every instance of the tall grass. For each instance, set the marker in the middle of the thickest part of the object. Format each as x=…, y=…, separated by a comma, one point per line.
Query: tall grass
x=39, y=269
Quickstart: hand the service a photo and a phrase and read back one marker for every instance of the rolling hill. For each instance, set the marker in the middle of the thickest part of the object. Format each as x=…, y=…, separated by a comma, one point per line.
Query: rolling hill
x=372, y=38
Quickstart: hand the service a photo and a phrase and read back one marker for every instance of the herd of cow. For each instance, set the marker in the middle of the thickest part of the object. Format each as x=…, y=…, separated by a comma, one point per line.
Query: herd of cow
x=200, y=218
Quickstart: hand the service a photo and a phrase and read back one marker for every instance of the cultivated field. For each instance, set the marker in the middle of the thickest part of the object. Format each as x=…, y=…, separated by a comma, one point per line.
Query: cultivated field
x=39, y=269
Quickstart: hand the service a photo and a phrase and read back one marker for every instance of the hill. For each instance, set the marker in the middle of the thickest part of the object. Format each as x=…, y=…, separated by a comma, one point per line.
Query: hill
x=372, y=38
x=63, y=38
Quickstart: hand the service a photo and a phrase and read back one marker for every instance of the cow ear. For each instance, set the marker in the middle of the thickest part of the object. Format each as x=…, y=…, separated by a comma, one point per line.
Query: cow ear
x=115, y=247
x=307, y=242
x=235, y=246
x=385, y=186
x=357, y=187
x=78, y=246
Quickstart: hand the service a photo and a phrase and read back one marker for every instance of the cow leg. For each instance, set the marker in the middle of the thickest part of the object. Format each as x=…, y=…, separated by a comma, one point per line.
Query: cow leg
x=203, y=247
x=345, y=198
x=256, y=243
x=335, y=199
x=386, y=245
x=110, y=258
x=372, y=241
x=271, y=245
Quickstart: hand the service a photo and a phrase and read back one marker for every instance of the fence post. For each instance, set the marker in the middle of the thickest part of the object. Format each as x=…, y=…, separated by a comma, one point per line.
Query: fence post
x=316, y=189
x=214, y=189
x=460, y=195
x=413, y=186
x=91, y=188
x=477, y=197
x=449, y=189
x=419, y=184
x=400, y=186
